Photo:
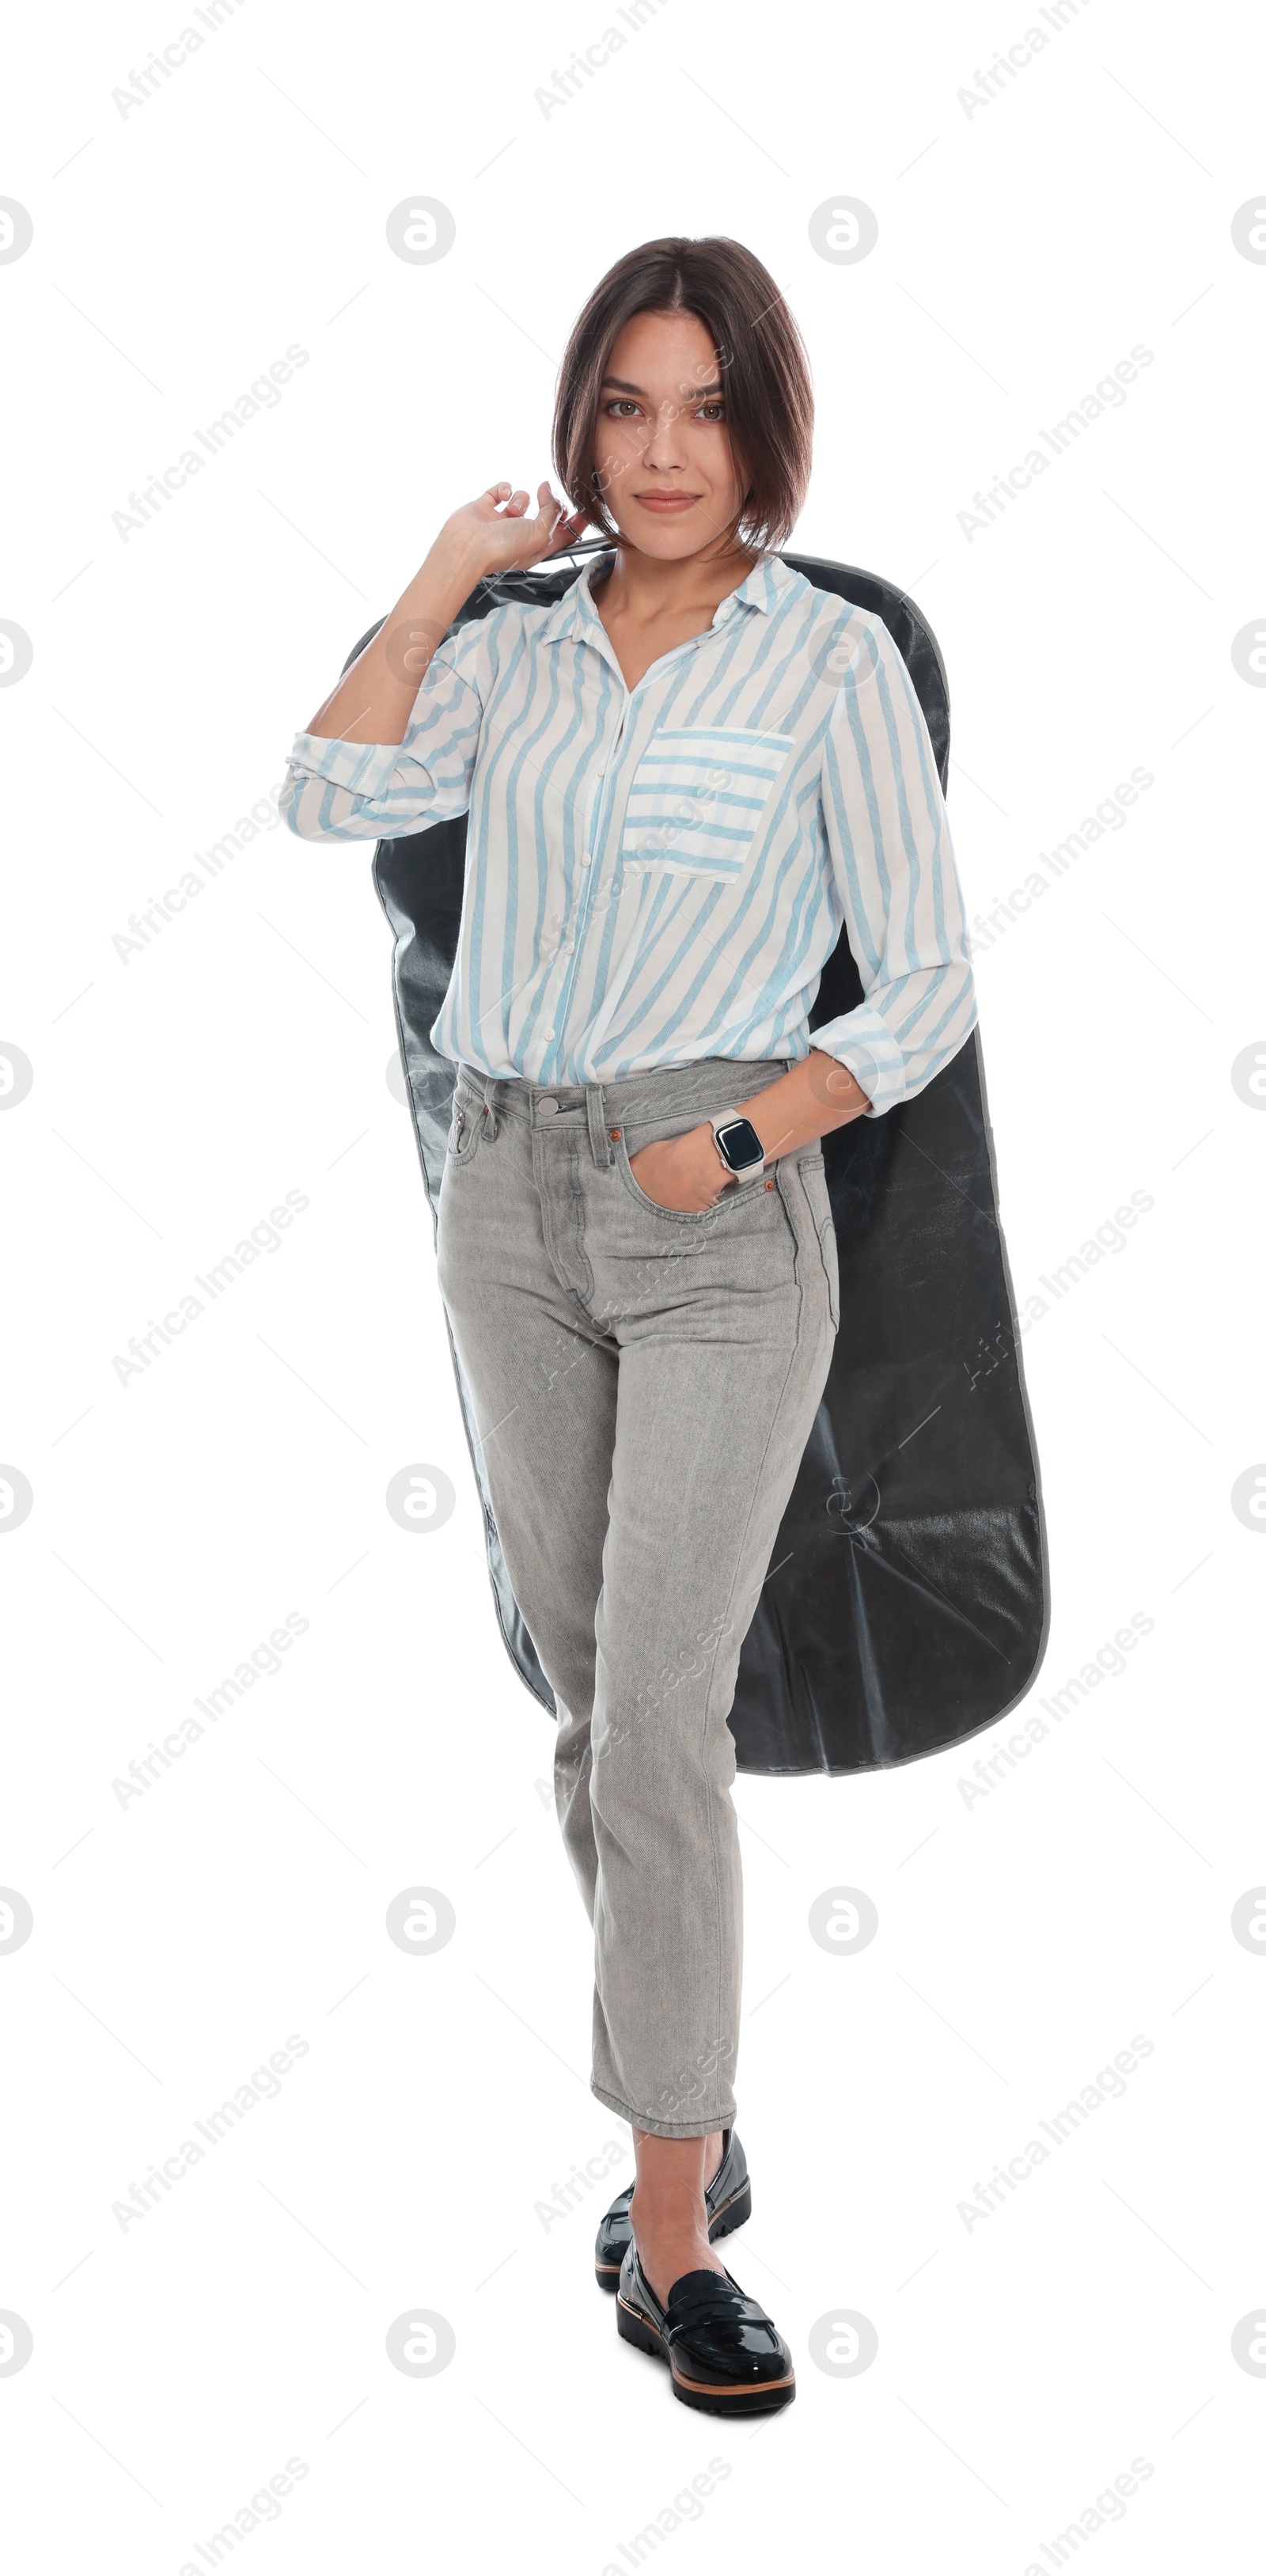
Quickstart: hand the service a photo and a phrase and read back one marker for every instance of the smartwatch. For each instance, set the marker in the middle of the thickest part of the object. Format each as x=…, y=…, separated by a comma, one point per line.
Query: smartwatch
x=739, y=1147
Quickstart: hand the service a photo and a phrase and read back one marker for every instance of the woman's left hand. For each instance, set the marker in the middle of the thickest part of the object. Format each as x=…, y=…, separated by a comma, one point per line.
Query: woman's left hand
x=684, y=1173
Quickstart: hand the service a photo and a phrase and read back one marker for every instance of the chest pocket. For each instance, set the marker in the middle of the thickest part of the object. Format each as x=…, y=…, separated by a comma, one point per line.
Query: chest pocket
x=697, y=796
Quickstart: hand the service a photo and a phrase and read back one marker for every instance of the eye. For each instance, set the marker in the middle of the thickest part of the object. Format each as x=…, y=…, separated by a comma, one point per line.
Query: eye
x=619, y=405
x=712, y=411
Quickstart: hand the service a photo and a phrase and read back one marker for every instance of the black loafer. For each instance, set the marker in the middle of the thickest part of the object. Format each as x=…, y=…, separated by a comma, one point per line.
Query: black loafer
x=728, y=2199
x=726, y=2356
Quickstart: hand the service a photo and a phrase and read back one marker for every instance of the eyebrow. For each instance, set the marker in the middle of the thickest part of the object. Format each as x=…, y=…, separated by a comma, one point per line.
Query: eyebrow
x=699, y=393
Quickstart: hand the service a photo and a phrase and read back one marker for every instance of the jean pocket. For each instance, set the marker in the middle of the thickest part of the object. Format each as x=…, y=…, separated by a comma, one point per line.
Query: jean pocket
x=671, y=1216
x=697, y=796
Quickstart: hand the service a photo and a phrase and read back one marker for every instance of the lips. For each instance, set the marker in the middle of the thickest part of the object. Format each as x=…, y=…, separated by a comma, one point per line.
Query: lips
x=666, y=502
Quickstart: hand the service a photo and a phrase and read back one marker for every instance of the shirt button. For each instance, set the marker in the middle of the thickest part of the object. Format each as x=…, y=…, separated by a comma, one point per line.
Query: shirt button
x=547, y=1108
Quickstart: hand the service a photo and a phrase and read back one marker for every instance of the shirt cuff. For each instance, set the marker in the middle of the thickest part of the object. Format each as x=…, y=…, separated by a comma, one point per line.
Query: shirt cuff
x=364, y=767
x=864, y=1042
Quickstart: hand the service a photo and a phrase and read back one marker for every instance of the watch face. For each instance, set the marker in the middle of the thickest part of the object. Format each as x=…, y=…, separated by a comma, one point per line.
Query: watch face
x=740, y=1144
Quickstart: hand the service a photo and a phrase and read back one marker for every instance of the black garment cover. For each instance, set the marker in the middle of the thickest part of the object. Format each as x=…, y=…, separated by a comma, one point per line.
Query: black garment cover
x=905, y=1608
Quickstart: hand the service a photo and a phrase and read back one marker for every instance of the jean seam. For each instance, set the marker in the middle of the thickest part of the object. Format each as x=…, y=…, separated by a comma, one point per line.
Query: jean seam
x=820, y=1226
x=775, y=1417
x=709, y=2120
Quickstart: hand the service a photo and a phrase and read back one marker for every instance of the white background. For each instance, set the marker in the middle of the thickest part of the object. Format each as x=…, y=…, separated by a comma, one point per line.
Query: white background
x=1025, y=1938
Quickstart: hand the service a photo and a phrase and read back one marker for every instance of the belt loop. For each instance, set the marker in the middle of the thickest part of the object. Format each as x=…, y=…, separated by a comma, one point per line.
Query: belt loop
x=598, y=1138
x=491, y=1086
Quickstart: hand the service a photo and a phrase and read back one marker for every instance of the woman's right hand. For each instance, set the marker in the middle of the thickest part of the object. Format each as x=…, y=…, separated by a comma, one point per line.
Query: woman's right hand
x=373, y=702
x=498, y=527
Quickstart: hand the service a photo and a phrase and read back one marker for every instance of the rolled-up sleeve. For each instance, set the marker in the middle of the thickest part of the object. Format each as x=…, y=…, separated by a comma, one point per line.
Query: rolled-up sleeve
x=893, y=862
x=366, y=791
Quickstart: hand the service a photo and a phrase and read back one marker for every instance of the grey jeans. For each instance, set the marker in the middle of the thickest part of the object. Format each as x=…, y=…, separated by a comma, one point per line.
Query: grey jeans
x=643, y=1384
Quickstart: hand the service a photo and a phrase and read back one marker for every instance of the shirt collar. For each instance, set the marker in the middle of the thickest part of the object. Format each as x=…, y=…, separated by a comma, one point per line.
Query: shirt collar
x=575, y=614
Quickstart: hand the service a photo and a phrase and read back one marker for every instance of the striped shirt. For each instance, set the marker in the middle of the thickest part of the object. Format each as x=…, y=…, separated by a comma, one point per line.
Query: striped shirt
x=659, y=874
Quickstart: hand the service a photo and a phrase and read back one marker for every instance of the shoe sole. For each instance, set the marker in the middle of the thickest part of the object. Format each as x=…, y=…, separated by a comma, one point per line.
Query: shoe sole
x=760, y=2398
x=732, y=2213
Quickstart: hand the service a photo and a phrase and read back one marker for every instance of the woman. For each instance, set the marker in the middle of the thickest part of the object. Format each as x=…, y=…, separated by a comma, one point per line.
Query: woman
x=685, y=781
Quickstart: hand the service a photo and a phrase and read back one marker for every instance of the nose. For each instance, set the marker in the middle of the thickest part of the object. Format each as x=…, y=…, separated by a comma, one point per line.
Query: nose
x=665, y=446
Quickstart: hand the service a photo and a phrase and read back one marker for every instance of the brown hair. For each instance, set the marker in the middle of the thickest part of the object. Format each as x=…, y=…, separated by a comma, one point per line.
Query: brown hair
x=768, y=395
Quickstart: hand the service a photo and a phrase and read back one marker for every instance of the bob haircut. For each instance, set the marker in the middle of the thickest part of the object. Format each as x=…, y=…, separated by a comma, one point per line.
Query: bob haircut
x=768, y=394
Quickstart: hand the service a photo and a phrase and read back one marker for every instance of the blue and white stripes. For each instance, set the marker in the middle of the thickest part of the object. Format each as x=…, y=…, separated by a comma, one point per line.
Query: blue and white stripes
x=661, y=875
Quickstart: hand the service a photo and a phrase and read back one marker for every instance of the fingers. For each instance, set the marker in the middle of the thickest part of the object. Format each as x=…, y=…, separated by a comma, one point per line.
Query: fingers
x=553, y=527
x=511, y=503
x=506, y=502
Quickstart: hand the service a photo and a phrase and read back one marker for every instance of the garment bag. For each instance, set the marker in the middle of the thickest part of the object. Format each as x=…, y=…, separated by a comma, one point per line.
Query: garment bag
x=905, y=1606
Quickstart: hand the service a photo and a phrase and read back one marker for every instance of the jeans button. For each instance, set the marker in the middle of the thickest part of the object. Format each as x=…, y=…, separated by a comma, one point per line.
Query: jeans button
x=547, y=1108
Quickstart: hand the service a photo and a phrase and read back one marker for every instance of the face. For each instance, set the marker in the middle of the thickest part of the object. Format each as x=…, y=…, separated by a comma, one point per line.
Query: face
x=661, y=445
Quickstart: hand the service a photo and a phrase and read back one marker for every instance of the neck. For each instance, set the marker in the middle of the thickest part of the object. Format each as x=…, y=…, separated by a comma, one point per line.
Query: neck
x=642, y=587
